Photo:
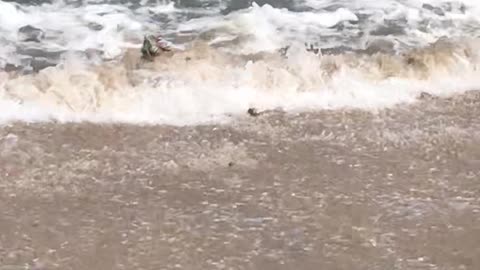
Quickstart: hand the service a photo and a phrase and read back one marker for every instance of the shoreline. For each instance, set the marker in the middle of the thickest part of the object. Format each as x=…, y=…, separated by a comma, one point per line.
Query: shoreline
x=331, y=190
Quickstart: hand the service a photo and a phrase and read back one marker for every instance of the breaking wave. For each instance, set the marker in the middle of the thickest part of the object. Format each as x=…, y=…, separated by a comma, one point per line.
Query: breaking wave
x=227, y=63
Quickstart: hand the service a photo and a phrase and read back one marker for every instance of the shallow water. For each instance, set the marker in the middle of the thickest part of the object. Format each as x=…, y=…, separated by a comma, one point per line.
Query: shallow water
x=330, y=190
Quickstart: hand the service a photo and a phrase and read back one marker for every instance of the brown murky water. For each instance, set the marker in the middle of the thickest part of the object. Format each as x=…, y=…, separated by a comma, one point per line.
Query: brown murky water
x=397, y=189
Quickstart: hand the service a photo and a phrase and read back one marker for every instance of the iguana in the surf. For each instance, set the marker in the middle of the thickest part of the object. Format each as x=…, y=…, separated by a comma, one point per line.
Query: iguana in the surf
x=153, y=46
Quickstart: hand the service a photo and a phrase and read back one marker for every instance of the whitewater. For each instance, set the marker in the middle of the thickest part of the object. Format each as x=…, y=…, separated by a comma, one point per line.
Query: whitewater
x=232, y=55
x=364, y=153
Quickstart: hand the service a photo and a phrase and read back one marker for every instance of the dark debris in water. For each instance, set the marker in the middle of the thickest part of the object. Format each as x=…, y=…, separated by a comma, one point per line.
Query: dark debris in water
x=317, y=50
x=283, y=51
x=12, y=68
x=254, y=112
x=311, y=48
x=426, y=96
x=95, y=26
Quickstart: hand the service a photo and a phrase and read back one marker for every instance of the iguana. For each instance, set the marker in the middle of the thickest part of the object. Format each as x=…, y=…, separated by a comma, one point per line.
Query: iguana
x=153, y=46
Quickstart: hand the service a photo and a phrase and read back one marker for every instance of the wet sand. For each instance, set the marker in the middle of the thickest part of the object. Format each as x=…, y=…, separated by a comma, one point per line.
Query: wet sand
x=396, y=189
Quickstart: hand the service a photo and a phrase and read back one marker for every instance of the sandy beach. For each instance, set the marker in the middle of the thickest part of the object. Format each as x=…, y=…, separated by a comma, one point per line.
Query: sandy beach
x=395, y=189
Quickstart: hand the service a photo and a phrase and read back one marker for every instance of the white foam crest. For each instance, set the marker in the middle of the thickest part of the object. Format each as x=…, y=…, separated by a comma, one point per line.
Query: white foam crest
x=269, y=28
x=168, y=7
x=11, y=17
x=161, y=8
x=411, y=24
x=67, y=27
x=423, y=21
x=265, y=28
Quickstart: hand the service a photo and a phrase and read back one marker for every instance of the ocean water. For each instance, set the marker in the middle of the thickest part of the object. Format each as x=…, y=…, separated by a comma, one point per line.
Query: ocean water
x=372, y=55
x=367, y=158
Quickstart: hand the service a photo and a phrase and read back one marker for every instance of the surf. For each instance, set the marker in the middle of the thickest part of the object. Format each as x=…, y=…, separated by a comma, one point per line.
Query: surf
x=232, y=62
